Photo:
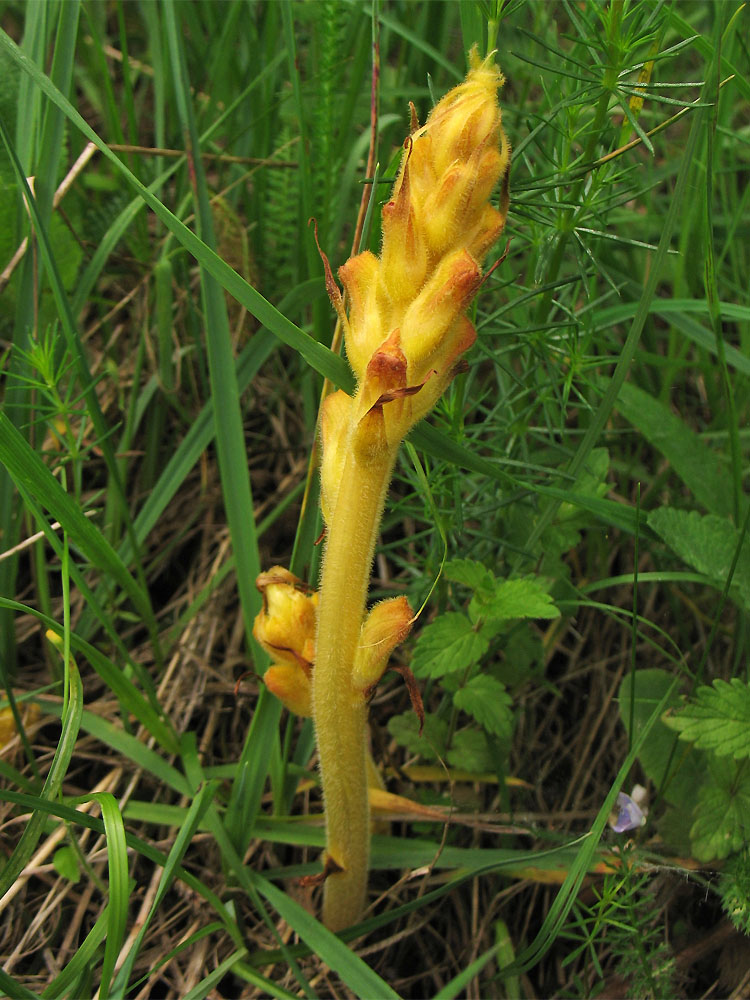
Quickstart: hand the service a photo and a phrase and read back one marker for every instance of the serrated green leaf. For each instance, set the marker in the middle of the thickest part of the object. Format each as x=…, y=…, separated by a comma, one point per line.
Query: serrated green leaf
x=722, y=813
x=718, y=719
x=525, y=598
x=471, y=573
x=405, y=731
x=707, y=543
x=486, y=700
x=447, y=645
x=470, y=752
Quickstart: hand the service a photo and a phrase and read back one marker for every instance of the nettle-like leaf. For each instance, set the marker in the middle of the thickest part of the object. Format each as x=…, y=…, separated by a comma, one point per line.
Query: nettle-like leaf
x=707, y=543
x=722, y=813
x=524, y=598
x=718, y=719
x=487, y=701
x=449, y=644
x=523, y=655
x=470, y=752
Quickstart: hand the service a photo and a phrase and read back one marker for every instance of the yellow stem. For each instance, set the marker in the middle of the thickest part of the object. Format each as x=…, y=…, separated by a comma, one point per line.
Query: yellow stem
x=339, y=711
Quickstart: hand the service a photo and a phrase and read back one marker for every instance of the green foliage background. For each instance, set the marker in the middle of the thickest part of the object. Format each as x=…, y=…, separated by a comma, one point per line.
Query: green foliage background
x=573, y=519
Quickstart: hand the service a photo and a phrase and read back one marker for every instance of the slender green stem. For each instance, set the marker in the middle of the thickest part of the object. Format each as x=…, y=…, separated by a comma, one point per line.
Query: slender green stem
x=340, y=711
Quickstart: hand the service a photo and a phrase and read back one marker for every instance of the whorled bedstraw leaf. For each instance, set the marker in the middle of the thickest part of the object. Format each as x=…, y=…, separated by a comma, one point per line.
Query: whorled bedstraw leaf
x=717, y=718
x=449, y=644
x=722, y=812
x=487, y=701
x=523, y=598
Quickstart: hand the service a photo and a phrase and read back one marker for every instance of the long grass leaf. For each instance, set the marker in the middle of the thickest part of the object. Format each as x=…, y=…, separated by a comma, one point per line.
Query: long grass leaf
x=58, y=768
x=187, y=830
x=115, y=678
x=70, y=815
x=117, y=866
x=28, y=469
x=568, y=892
x=319, y=357
x=139, y=592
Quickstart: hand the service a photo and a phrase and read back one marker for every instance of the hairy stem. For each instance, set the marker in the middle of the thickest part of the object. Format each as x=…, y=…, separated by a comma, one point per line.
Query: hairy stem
x=340, y=711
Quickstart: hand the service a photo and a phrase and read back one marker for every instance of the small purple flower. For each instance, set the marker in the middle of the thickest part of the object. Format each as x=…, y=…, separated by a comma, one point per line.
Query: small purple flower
x=629, y=815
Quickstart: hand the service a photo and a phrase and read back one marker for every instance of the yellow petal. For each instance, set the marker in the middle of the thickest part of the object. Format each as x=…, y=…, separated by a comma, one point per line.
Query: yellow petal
x=286, y=625
x=335, y=421
x=291, y=685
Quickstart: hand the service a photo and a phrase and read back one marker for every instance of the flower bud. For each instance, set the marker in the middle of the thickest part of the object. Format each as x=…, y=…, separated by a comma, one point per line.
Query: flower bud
x=385, y=627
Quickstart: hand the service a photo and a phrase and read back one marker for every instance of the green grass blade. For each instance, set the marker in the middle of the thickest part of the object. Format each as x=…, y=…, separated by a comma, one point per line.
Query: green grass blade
x=88, y=384
x=81, y=961
x=129, y=747
x=462, y=980
x=30, y=837
x=117, y=864
x=114, y=677
x=230, y=439
x=29, y=471
x=253, y=765
x=13, y=989
x=51, y=146
x=187, y=830
x=319, y=357
x=207, y=984
x=70, y=815
x=569, y=890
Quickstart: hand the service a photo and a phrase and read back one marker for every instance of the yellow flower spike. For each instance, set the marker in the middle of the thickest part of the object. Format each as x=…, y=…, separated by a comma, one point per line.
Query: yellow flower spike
x=404, y=333
x=292, y=687
x=387, y=625
x=285, y=627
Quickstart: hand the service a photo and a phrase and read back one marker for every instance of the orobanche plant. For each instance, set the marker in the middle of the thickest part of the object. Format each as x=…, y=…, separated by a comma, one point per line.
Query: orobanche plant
x=405, y=331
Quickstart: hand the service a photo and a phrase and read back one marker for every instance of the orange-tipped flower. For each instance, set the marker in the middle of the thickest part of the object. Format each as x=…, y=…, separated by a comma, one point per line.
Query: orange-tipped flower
x=285, y=627
x=286, y=630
